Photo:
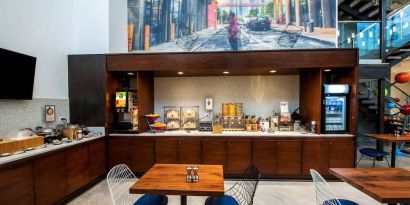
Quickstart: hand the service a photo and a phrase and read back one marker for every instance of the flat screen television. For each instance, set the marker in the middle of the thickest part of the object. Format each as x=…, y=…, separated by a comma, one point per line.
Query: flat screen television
x=16, y=75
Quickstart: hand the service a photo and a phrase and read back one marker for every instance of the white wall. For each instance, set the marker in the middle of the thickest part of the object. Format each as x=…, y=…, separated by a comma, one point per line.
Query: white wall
x=44, y=29
x=90, y=26
x=118, y=26
x=50, y=30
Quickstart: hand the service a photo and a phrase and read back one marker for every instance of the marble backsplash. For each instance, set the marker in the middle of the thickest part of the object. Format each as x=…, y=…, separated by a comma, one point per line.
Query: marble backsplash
x=18, y=114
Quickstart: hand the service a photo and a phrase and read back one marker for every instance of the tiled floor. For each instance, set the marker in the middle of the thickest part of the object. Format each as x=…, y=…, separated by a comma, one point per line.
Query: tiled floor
x=268, y=192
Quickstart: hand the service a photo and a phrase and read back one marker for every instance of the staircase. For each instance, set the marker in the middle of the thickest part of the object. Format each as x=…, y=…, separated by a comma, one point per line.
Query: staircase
x=358, y=10
x=368, y=105
x=366, y=10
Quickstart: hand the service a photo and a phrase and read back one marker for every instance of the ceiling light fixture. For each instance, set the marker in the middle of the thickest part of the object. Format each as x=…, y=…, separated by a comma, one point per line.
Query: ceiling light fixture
x=272, y=71
x=180, y=73
x=130, y=73
x=225, y=72
x=327, y=70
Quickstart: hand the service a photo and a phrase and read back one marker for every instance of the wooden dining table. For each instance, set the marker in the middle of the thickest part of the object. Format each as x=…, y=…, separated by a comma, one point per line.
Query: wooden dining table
x=170, y=179
x=393, y=140
x=386, y=185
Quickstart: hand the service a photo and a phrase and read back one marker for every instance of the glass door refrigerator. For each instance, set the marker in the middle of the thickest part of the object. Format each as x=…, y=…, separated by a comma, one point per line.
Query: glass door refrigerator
x=334, y=108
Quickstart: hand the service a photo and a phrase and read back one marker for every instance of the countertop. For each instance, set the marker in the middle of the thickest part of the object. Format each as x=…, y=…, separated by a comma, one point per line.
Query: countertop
x=232, y=134
x=49, y=148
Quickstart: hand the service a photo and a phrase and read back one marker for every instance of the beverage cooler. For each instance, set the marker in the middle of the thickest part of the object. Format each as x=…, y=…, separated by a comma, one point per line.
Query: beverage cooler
x=334, y=108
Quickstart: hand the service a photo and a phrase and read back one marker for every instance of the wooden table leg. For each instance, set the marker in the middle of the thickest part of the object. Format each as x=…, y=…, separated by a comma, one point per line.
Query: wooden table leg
x=393, y=155
x=183, y=200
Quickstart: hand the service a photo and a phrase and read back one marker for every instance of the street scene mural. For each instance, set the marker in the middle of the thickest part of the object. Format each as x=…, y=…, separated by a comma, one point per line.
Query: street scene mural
x=230, y=25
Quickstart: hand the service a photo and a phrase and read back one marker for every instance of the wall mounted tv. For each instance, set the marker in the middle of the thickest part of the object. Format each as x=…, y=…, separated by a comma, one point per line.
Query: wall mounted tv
x=16, y=75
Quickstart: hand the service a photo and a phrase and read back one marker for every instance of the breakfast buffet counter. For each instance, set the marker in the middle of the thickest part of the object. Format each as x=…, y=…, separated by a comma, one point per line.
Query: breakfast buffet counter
x=229, y=134
x=45, y=150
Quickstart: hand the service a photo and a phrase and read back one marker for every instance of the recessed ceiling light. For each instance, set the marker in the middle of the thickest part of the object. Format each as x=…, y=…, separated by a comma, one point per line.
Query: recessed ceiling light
x=272, y=71
x=327, y=70
x=130, y=73
x=180, y=73
x=225, y=72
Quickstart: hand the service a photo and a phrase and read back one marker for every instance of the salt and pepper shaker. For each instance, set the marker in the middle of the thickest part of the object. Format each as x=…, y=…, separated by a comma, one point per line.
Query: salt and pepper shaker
x=192, y=176
x=397, y=133
x=195, y=178
x=189, y=174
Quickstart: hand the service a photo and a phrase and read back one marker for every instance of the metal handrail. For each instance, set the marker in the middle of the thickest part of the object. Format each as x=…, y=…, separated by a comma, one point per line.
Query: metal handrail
x=392, y=84
x=398, y=10
x=353, y=37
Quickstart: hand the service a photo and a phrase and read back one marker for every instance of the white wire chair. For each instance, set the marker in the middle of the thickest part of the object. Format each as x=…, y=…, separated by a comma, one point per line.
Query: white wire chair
x=120, y=178
x=324, y=194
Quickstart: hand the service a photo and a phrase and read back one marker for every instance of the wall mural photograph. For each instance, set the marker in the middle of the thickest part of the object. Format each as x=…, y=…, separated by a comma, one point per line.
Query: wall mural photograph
x=230, y=25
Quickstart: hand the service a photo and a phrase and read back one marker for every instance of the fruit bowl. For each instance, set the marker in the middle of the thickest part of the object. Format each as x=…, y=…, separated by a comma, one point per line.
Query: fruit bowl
x=152, y=117
x=158, y=127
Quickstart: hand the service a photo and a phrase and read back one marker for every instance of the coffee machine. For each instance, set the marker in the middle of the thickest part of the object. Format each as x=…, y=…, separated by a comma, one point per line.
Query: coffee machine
x=126, y=109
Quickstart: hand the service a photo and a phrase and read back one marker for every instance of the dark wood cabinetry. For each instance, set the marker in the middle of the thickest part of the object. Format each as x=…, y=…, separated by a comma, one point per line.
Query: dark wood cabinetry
x=289, y=157
x=166, y=151
x=54, y=177
x=49, y=178
x=264, y=156
x=143, y=154
x=189, y=151
x=214, y=152
x=17, y=185
x=342, y=153
x=119, y=150
x=97, y=158
x=316, y=156
x=239, y=156
x=78, y=173
x=281, y=157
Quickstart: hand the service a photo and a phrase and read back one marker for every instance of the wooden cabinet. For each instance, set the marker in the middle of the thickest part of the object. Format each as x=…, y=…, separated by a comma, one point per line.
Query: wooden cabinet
x=119, y=151
x=342, y=153
x=50, y=178
x=77, y=168
x=166, y=151
x=143, y=154
x=214, y=152
x=97, y=158
x=17, y=185
x=189, y=151
x=239, y=156
x=264, y=156
x=316, y=156
x=289, y=157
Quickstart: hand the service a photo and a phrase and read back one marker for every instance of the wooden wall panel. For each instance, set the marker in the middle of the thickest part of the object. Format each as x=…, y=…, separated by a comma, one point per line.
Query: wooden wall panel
x=97, y=158
x=17, y=185
x=289, y=158
x=252, y=61
x=214, y=152
x=143, y=154
x=189, y=151
x=316, y=156
x=264, y=156
x=145, y=89
x=86, y=82
x=119, y=151
x=166, y=151
x=50, y=178
x=78, y=173
x=310, y=97
x=239, y=156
